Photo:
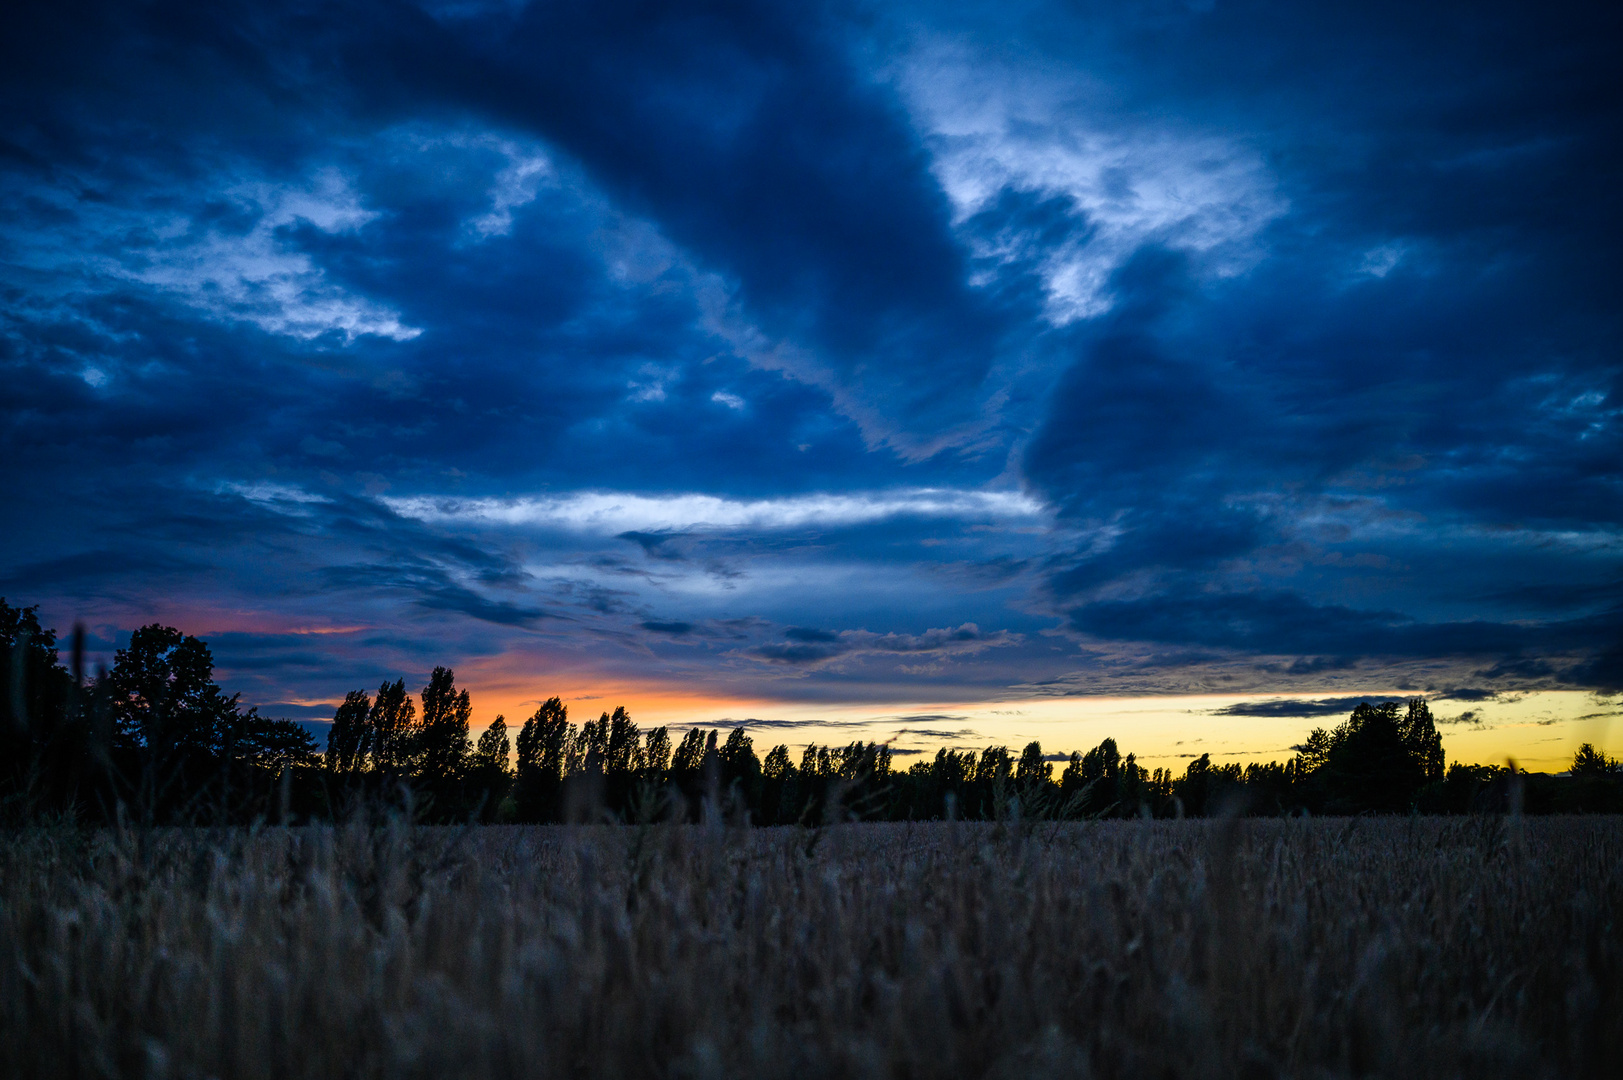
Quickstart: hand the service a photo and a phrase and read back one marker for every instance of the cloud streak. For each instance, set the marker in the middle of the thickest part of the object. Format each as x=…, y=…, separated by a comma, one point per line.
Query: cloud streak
x=805, y=647
x=614, y=513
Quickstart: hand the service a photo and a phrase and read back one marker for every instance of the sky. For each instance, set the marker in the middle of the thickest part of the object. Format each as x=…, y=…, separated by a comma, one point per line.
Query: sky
x=949, y=374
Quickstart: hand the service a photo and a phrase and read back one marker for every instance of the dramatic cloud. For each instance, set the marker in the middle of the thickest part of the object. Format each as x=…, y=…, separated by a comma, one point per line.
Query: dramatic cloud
x=891, y=353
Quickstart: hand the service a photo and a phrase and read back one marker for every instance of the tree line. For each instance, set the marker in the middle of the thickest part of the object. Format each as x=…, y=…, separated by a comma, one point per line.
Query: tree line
x=155, y=738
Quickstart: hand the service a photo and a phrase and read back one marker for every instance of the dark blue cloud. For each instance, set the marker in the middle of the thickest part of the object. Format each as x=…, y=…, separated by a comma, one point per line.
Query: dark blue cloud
x=1293, y=329
x=747, y=132
x=1297, y=707
x=805, y=646
x=1603, y=670
x=1465, y=693
x=431, y=587
x=1423, y=364
x=1280, y=622
x=806, y=635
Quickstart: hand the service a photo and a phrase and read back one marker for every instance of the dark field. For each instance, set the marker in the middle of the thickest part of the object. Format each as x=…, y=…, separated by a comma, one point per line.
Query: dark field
x=1485, y=946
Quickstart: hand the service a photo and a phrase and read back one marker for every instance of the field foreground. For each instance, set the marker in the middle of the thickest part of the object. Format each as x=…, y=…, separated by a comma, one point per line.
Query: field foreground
x=1399, y=947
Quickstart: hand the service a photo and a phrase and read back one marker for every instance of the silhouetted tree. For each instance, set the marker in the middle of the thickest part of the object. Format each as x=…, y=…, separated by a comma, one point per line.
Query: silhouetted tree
x=1268, y=787
x=543, y=744
x=171, y=719
x=689, y=753
x=393, y=723
x=859, y=788
x=623, y=761
x=159, y=733
x=1193, y=789
x=490, y=773
x=687, y=768
x=272, y=744
x=815, y=777
x=1158, y=792
x=710, y=776
x=1034, y=781
x=1132, y=794
x=777, y=776
x=195, y=754
x=164, y=696
x=586, y=757
x=941, y=788
x=1589, y=763
x=1379, y=760
x=740, y=772
x=1314, y=752
x=350, y=741
x=493, y=748
x=44, y=734
x=656, y=755
x=442, y=745
x=1421, y=740
x=1594, y=784
x=1101, y=779
x=992, y=788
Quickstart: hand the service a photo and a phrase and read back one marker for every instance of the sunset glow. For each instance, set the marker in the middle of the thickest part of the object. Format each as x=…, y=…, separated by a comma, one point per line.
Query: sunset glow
x=944, y=375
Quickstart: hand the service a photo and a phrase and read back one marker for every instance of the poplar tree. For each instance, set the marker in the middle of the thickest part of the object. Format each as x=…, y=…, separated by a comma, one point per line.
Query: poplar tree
x=350, y=740
x=490, y=770
x=543, y=746
x=657, y=754
x=442, y=740
x=393, y=722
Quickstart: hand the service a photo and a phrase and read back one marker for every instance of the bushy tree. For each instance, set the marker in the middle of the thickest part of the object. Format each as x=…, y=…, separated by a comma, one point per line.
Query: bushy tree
x=164, y=698
x=1421, y=740
x=195, y=754
x=171, y=722
x=271, y=744
x=1589, y=763
x=1378, y=759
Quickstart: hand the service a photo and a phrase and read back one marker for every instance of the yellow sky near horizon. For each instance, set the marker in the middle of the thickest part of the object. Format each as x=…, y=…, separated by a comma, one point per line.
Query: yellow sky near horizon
x=1539, y=730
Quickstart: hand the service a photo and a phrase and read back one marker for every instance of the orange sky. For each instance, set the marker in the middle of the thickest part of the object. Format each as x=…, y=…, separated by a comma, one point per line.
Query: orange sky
x=1539, y=730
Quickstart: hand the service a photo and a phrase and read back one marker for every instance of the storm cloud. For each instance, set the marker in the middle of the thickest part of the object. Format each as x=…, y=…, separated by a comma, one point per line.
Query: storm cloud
x=899, y=352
